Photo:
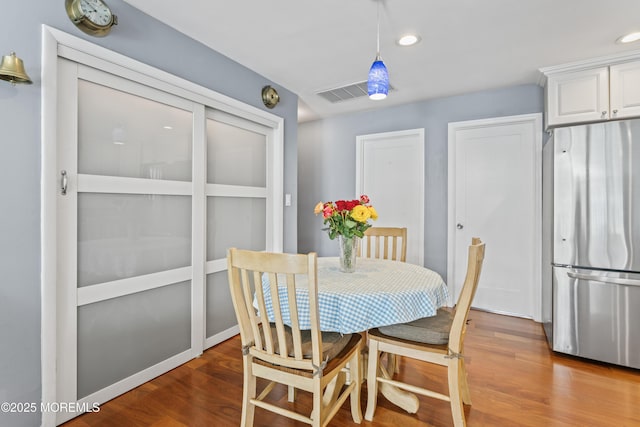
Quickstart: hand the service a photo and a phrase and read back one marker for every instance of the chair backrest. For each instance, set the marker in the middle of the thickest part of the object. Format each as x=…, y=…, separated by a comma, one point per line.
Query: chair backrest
x=385, y=243
x=254, y=276
x=474, y=267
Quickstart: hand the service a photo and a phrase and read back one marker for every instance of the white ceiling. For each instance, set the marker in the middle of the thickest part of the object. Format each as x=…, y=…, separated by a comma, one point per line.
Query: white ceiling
x=467, y=45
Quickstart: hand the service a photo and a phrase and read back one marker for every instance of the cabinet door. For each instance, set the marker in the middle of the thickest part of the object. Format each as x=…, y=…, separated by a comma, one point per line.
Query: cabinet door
x=625, y=90
x=578, y=96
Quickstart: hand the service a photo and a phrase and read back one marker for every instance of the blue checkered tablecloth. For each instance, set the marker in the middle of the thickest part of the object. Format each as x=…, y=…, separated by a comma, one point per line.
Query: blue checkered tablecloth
x=378, y=293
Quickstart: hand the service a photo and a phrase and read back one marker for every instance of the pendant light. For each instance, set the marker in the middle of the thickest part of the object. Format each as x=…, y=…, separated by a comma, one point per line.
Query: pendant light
x=378, y=81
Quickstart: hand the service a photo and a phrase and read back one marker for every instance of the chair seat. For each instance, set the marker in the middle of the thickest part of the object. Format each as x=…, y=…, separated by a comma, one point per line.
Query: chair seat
x=428, y=330
x=354, y=340
x=332, y=342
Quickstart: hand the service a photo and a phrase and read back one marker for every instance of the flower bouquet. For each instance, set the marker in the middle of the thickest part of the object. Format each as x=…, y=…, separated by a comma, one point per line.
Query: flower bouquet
x=347, y=220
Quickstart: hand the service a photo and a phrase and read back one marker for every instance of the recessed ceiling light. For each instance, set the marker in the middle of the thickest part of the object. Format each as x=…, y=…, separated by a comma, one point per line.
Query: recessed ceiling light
x=168, y=127
x=408, y=40
x=629, y=38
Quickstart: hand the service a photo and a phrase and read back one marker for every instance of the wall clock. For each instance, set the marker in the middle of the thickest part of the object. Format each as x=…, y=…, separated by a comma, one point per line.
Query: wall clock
x=270, y=97
x=93, y=17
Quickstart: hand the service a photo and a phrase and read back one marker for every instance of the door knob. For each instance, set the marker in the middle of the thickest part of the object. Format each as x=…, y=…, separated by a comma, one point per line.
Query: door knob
x=459, y=226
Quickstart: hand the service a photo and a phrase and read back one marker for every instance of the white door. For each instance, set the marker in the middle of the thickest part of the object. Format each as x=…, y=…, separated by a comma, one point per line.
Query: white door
x=495, y=194
x=390, y=170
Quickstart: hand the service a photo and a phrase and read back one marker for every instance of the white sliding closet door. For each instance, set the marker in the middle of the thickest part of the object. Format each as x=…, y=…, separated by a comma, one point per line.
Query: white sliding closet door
x=124, y=234
x=153, y=190
x=237, y=194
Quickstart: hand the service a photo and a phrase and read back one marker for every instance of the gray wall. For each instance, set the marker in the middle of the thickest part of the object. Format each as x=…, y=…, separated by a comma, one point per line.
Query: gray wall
x=326, y=158
x=137, y=36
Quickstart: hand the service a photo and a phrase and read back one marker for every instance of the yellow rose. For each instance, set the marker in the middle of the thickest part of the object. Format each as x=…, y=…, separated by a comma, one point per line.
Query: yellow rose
x=318, y=208
x=373, y=213
x=360, y=213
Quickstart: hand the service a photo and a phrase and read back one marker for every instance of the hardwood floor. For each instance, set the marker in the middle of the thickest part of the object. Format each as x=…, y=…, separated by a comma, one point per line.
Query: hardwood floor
x=515, y=380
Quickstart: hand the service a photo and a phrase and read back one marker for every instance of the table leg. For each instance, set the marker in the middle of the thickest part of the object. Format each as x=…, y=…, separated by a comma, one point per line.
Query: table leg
x=404, y=399
x=401, y=398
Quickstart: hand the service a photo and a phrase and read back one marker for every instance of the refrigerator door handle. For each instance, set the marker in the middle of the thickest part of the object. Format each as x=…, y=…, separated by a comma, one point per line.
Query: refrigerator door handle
x=604, y=279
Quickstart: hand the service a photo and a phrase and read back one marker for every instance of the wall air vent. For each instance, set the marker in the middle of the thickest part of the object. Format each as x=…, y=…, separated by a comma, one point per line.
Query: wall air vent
x=345, y=93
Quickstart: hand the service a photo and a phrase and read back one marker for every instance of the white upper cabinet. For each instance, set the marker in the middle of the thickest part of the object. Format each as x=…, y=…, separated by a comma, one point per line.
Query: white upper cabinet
x=594, y=92
x=625, y=90
x=578, y=96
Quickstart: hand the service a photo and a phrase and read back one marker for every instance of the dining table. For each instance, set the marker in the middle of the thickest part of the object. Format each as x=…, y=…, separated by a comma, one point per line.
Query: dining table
x=380, y=292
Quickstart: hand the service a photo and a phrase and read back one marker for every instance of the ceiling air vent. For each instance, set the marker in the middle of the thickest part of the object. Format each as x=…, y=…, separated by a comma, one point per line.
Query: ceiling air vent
x=345, y=93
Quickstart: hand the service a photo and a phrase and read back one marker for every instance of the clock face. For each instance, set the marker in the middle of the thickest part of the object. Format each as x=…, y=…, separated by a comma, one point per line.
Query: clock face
x=96, y=11
x=93, y=17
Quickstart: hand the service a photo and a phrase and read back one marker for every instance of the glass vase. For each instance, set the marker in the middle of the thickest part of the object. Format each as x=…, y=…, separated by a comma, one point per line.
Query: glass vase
x=348, y=253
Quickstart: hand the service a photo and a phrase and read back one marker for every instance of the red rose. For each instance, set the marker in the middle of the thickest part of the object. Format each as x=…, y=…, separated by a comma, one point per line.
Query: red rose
x=352, y=204
x=341, y=205
x=364, y=199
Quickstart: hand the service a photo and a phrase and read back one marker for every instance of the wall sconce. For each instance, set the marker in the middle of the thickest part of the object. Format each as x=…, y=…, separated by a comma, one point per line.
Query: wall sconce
x=12, y=70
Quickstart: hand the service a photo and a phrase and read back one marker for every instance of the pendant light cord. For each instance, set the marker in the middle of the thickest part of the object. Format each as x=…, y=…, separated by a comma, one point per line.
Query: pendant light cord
x=378, y=37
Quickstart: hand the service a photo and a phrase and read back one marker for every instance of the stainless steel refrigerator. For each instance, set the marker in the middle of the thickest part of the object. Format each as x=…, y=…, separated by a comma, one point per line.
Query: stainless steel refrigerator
x=592, y=215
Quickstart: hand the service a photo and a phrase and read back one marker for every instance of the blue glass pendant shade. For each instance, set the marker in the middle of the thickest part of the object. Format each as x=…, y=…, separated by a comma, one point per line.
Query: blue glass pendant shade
x=378, y=82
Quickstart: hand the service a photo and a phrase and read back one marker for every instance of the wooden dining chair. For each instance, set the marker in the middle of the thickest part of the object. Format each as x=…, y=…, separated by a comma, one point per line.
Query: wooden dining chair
x=282, y=353
x=385, y=243
x=438, y=339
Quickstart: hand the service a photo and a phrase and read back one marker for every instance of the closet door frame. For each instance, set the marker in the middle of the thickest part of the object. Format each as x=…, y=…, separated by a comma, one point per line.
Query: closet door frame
x=59, y=44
